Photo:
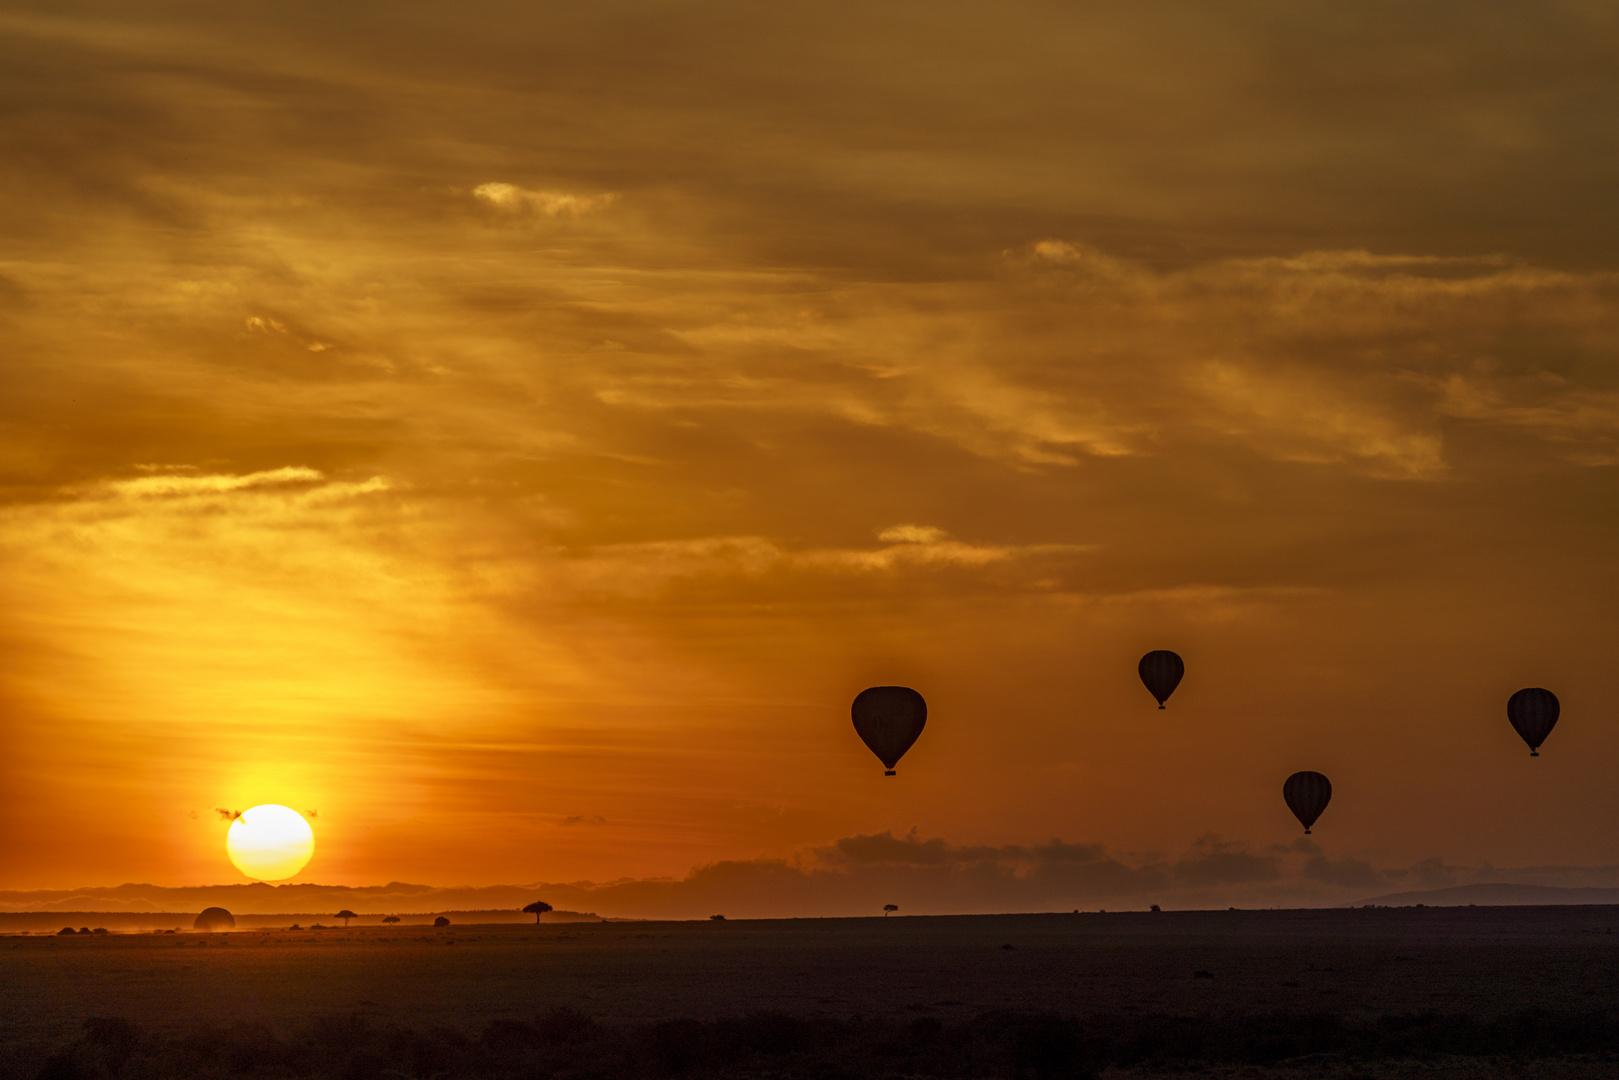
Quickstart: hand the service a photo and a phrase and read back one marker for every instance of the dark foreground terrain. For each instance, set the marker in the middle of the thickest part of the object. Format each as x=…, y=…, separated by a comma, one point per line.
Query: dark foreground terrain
x=1457, y=992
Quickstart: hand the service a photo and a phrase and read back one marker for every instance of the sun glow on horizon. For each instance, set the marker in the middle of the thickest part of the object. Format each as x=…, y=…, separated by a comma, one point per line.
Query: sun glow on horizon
x=270, y=842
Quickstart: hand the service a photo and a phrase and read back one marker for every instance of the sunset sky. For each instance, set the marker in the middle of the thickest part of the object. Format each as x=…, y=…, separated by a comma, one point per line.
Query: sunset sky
x=514, y=432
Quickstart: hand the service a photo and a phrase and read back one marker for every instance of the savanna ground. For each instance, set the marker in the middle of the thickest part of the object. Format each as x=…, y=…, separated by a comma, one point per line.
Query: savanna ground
x=1458, y=992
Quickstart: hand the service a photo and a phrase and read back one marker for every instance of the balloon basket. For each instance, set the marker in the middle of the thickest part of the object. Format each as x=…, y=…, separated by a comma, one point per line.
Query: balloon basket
x=890, y=772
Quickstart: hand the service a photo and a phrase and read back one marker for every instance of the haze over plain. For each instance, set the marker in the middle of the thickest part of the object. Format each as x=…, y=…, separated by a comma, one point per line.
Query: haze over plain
x=516, y=433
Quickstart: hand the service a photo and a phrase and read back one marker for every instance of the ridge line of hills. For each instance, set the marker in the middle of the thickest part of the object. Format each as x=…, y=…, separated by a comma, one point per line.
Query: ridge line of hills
x=264, y=898
x=296, y=901
x=1497, y=894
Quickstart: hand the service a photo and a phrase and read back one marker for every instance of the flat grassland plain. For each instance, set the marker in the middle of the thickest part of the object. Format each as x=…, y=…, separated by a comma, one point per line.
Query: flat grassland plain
x=1522, y=991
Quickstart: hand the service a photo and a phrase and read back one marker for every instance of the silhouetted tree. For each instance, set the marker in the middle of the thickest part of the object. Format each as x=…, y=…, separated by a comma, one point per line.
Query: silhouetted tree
x=889, y=907
x=390, y=918
x=441, y=921
x=538, y=908
x=717, y=918
x=345, y=915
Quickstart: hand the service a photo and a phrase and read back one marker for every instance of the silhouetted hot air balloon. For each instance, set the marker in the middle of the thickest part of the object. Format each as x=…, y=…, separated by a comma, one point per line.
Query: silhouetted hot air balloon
x=1161, y=670
x=1533, y=712
x=888, y=719
x=1307, y=794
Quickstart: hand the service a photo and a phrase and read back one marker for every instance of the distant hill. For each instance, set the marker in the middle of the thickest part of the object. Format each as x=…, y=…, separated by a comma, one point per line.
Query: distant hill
x=1495, y=894
x=14, y=922
x=261, y=898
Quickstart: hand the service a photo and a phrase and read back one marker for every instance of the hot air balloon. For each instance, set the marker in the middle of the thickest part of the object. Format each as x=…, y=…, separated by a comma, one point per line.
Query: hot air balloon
x=1307, y=794
x=1161, y=670
x=888, y=720
x=1533, y=712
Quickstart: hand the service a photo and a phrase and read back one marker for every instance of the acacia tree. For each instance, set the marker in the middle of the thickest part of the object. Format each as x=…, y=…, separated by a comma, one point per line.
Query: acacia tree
x=538, y=908
x=390, y=918
x=345, y=915
x=889, y=907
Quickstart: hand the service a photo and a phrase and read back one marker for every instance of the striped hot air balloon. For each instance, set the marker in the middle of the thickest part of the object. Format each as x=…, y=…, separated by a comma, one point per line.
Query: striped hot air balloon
x=1161, y=671
x=1307, y=794
x=888, y=720
x=1533, y=713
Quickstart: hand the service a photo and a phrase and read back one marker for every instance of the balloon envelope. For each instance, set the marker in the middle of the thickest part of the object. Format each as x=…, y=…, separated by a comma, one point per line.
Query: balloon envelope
x=1307, y=794
x=888, y=720
x=1533, y=711
x=214, y=918
x=1161, y=671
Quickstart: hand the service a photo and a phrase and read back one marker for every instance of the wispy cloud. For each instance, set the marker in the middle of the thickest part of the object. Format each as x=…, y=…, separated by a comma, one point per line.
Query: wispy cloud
x=912, y=534
x=510, y=197
x=1583, y=420
x=150, y=486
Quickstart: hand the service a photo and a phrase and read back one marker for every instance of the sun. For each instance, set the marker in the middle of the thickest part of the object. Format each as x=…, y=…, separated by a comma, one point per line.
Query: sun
x=270, y=842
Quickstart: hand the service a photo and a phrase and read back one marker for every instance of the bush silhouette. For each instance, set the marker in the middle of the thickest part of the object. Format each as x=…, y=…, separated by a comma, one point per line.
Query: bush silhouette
x=441, y=921
x=390, y=918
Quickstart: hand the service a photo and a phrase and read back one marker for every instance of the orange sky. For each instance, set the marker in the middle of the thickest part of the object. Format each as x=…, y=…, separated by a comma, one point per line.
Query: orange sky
x=516, y=431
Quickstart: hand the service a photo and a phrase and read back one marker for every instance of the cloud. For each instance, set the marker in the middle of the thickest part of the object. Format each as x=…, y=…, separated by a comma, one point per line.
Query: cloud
x=1214, y=861
x=158, y=486
x=911, y=534
x=510, y=197
x=1226, y=868
x=261, y=325
x=227, y=815
x=583, y=819
x=1431, y=873
x=1297, y=418
x=644, y=568
x=1582, y=420
x=1355, y=873
x=886, y=849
